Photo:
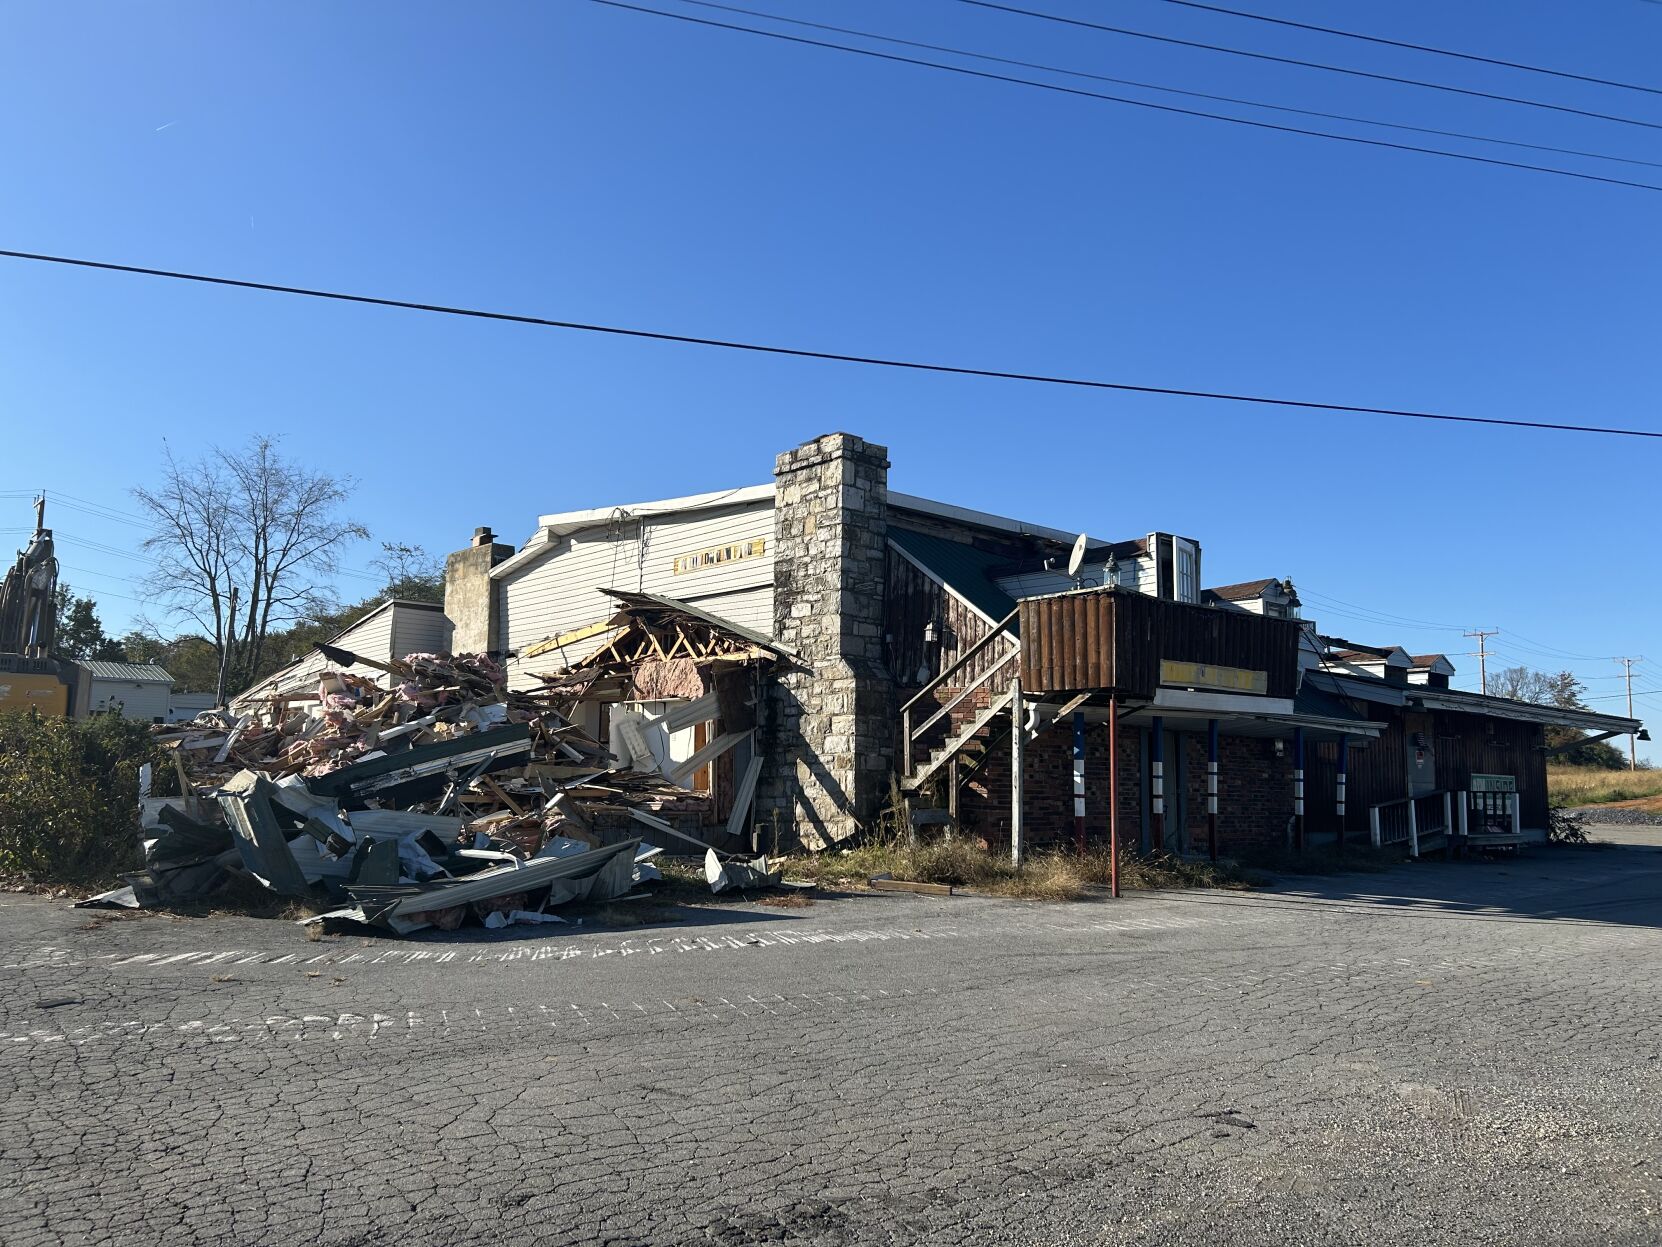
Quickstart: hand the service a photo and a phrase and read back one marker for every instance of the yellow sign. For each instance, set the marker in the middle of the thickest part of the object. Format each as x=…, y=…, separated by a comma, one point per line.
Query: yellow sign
x=46, y=693
x=1205, y=675
x=698, y=560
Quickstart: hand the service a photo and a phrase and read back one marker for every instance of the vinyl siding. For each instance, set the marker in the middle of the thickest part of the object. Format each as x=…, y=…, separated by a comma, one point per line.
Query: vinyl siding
x=417, y=631
x=1135, y=574
x=560, y=592
x=143, y=702
x=372, y=637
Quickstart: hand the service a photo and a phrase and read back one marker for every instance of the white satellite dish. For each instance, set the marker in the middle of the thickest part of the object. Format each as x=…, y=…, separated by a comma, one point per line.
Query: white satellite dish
x=1076, y=560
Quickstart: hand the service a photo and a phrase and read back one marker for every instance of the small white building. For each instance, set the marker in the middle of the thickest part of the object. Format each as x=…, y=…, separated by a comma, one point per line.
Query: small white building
x=183, y=707
x=391, y=630
x=131, y=689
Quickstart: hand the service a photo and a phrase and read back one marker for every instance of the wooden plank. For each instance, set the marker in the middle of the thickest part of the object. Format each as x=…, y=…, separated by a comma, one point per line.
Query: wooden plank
x=548, y=644
x=882, y=884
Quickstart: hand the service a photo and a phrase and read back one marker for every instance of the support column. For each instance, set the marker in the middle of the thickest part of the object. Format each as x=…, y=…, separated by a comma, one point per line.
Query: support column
x=1157, y=783
x=1298, y=788
x=1212, y=789
x=1079, y=782
x=1114, y=794
x=1344, y=762
x=831, y=741
x=1017, y=733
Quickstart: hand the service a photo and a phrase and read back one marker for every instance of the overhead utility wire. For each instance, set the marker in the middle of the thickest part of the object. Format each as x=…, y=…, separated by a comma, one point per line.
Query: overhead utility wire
x=1197, y=95
x=1122, y=99
x=834, y=356
x=1289, y=60
x=1418, y=47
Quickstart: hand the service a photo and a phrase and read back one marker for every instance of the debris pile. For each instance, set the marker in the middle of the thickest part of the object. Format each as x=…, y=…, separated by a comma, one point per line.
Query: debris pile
x=434, y=797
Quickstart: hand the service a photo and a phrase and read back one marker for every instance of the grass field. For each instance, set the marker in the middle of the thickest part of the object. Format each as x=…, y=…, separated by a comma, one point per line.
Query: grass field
x=1576, y=785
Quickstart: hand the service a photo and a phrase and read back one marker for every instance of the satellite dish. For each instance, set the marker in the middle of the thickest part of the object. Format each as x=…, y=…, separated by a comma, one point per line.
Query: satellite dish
x=1076, y=560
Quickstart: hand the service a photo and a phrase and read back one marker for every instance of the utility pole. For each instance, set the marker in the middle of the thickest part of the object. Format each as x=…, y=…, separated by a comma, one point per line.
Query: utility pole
x=1482, y=655
x=225, y=649
x=1632, y=741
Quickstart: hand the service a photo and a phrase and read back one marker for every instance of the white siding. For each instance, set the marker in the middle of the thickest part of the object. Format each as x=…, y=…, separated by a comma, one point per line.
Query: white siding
x=561, y=591
x=419, y=631
x=145, y=701
x=372, y=637
x=1034, y=584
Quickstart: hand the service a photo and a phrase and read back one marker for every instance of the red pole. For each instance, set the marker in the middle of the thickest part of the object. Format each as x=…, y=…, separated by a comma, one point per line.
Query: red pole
x=1114, y=794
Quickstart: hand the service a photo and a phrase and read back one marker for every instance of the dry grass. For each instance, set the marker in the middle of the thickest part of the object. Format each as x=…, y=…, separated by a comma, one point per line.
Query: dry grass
x=1580, y=785
x=1049, y=875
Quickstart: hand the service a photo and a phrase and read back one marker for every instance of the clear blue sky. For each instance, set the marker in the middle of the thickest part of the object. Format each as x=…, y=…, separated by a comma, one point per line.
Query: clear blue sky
x=568, y=160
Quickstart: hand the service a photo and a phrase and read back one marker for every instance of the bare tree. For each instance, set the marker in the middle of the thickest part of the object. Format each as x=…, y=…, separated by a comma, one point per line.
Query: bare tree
x=1521, y=684
x=245, y=531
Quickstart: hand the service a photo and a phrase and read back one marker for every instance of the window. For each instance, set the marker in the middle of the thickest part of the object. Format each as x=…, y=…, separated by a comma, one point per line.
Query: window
x=1188, y=575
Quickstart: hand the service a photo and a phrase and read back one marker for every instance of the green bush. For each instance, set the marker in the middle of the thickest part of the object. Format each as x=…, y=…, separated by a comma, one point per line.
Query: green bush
x=69, y=796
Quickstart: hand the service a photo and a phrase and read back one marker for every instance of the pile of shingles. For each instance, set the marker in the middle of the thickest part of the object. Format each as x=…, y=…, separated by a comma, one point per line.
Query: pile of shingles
x=430, y=798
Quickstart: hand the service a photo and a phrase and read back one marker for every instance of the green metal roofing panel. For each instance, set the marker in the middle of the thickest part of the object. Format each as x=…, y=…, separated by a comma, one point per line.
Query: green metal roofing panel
x=140, y=673
x=968, y=572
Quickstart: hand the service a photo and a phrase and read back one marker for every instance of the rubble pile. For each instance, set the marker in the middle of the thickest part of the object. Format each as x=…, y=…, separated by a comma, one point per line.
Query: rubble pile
x=424, y=800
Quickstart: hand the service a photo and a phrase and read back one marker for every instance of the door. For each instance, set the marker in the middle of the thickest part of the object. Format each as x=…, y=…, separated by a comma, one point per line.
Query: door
x=1176, y=812
x=1422, y=755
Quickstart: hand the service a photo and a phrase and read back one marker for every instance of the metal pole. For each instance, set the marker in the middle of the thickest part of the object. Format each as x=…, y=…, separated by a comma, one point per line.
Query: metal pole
x=1079, y=782
x=1448, y=815
x=1016, y=743
x=1298, y=786
x=1157, y=776
x=1517, y=815
x=1413, y=830
x=1373, y=825
x=1114, y=794
x=1212, y=789
x=1344, y=762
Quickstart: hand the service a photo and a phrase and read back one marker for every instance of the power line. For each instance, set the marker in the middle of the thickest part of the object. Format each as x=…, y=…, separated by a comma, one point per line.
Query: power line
x=1121, y=99
x=834, y=356
x=1288, y=60
x=1154, y=86
x=1418, y=47
x=1385, y=616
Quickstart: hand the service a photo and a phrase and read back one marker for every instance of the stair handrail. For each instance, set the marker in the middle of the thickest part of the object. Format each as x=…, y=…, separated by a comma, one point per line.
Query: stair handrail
x=907, y=735
x=998, y=630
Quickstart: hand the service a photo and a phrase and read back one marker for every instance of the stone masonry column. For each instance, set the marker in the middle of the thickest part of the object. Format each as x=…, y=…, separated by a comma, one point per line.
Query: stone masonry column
x=470, y=596
x=831, y=743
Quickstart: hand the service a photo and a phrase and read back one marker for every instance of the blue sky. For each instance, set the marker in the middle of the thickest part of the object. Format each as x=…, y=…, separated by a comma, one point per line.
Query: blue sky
x=568, y=160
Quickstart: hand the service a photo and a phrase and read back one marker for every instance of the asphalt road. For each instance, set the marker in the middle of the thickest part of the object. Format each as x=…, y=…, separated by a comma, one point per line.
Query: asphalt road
x=1462, y=1053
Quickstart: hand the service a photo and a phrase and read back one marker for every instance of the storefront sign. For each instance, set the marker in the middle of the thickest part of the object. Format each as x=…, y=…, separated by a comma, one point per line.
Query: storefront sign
x=1494, y=783
x=698, y=560
x=1205, y=675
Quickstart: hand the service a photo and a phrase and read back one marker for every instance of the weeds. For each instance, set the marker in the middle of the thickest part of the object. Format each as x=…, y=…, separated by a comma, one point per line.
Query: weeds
x=1579, y=785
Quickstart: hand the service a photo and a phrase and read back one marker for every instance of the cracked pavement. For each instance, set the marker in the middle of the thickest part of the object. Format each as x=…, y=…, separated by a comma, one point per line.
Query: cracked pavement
x=1439, y=1053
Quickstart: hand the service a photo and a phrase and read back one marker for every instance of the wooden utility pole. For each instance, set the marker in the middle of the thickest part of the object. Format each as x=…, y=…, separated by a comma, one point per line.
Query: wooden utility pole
x=225, y=649
x=1632, y=741
x=1482, y=654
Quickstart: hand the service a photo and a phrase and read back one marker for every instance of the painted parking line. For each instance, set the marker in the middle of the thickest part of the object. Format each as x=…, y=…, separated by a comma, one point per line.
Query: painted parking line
x=372, y=1026
x=496, y=954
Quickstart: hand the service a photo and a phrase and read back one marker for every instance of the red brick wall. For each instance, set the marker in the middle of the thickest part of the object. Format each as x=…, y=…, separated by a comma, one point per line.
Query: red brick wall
x=1255, y=791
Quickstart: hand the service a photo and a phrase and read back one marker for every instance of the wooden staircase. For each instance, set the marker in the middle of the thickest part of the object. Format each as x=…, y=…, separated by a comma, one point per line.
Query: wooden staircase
x=971, y=742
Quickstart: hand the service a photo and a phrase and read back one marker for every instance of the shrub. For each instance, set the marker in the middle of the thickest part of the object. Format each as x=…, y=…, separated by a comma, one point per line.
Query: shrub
x=69, y=796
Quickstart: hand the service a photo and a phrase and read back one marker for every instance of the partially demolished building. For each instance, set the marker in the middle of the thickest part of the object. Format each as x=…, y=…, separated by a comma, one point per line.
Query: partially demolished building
x=921, y=647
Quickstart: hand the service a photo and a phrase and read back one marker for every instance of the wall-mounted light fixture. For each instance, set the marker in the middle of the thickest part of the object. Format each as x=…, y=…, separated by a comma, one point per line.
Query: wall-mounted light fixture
x=932, y=632
x=1280, y=747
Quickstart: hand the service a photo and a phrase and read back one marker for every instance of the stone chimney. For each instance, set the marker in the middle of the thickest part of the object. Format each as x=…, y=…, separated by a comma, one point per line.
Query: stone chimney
x=470, y=599
x=833, y=724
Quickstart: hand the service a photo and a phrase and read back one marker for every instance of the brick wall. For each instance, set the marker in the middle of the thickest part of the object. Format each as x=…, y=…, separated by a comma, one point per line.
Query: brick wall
x=1255, y=790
